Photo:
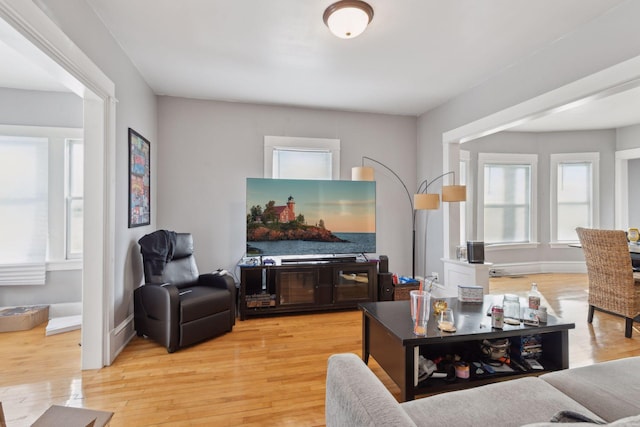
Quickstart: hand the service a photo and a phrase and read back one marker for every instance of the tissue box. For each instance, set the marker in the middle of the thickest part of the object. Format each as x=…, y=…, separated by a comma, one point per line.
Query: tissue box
x=470, y=293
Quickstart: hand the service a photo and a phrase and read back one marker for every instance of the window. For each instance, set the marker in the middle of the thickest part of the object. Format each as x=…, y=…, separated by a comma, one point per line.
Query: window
x=508, y=192
x=574, y=194
x=40, y=167
x=74, y=190
x=23, y=209
x=301, y=158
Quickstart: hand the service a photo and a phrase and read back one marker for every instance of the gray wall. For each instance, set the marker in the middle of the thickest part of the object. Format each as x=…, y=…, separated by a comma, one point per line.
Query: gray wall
x=579, y=54
x=544, y=144
x=634, y=200
x=38, y=108
x=207, y=150
x=136, y=108
x=60, y=287
x=628, y=138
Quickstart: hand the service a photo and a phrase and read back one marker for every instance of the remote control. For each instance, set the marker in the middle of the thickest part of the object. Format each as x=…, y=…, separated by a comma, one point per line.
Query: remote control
x=534, y=364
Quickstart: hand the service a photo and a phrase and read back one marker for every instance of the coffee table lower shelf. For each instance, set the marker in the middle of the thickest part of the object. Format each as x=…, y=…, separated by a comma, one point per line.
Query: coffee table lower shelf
x=435, y=385
x=387, y=337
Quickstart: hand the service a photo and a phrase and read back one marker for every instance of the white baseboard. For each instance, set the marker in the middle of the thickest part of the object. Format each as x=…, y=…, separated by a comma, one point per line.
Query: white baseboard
x=61, y=324
x=520, y=268
x=119, y=337
x=65, y=309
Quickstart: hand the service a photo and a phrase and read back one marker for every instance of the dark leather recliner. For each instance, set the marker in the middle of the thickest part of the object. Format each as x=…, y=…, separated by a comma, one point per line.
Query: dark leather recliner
x=177, y=306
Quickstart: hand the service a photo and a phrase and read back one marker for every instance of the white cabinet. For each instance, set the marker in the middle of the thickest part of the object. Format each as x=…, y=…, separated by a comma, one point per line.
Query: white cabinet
x=463, y=273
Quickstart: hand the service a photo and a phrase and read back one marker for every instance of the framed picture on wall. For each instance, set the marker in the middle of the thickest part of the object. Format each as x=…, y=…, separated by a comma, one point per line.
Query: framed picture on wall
x=139, y=180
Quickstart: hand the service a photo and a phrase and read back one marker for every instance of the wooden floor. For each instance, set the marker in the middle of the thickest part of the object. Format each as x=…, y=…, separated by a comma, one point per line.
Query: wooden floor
x=267, y=372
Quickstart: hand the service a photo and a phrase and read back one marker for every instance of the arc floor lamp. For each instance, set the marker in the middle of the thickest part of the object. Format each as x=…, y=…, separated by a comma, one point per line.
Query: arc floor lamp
x=421, y=200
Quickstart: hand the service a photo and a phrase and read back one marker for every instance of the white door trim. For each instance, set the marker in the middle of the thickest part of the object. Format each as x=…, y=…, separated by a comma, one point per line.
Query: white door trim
x=29, y=30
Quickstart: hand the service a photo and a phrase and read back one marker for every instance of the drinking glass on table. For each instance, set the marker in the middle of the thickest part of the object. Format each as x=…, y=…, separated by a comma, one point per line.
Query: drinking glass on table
x=446, y=322
x=411, y=306
x=420, y=308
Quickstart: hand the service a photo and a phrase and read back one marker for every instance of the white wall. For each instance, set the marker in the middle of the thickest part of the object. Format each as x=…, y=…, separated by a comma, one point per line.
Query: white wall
x=207, y=150
x=604, y=42
x=136, y=108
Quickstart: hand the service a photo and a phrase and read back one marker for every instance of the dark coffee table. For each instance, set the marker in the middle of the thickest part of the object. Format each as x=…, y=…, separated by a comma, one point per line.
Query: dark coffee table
x=387, y=336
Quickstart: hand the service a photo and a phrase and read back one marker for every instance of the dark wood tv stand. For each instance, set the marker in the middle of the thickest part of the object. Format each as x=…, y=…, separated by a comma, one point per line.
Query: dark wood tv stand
x=306, y=286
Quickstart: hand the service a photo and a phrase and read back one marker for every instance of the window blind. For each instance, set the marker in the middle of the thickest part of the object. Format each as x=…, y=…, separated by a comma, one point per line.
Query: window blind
x=23, y=210
x=302, y=164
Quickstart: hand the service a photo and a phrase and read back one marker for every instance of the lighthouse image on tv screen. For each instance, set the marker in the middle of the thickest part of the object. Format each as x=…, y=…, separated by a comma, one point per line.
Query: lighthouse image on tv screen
x=310, y=217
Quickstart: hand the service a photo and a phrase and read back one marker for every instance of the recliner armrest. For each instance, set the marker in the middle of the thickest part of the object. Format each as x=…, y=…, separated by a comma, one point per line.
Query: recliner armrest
x=157, y=313
x=222, y=281
x=218, y=281
x=159, y=302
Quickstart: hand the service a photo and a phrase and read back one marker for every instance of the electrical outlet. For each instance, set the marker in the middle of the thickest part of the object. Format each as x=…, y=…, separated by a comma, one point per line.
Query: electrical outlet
x=434, y=274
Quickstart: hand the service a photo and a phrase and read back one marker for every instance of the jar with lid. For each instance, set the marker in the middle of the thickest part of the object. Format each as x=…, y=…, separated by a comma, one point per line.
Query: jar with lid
x=511, y=309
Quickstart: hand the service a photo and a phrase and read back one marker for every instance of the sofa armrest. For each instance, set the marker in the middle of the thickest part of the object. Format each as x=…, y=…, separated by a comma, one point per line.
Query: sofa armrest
x=356, y=397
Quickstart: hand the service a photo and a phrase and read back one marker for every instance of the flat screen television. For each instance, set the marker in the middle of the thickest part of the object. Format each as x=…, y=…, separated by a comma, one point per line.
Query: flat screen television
x=287, y=217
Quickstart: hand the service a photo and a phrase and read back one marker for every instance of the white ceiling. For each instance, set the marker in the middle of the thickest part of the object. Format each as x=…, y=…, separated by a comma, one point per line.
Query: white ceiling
x=415, y=55
x=607, y=112
x=17, y=72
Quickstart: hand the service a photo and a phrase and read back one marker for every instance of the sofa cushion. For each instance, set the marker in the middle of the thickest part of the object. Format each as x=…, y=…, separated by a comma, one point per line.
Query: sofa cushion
x=624, y=422
x=508, y=403
x=610, y=389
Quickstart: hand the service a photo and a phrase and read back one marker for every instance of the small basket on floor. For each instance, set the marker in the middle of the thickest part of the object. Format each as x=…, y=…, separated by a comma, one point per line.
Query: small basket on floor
x=401, y=291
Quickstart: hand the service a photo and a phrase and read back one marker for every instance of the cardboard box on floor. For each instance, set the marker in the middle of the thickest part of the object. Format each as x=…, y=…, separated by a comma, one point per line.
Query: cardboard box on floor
x=64, y=416
x=23, y=318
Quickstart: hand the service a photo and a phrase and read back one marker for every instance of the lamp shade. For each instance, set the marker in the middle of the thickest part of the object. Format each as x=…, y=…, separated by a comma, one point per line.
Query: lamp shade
x=454, y=193
x=361, y=173
x=348, y=18
x=426, y=201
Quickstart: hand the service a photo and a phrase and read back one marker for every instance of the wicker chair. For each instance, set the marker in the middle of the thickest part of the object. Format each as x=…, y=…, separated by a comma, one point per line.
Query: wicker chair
x=613, y=286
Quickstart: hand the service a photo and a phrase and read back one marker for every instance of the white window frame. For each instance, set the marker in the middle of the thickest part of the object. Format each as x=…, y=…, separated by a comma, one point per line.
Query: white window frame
x=466, y=214
x=272, y=143
x=507, y=159
x=68, y=198
x=555, y=160
x=55, y=257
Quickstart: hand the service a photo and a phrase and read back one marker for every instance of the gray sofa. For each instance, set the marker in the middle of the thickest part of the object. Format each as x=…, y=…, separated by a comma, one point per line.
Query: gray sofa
x=607, y=392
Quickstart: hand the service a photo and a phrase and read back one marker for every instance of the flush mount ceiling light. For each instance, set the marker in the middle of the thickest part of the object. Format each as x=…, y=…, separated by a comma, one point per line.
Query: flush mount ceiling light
x=348, y=18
